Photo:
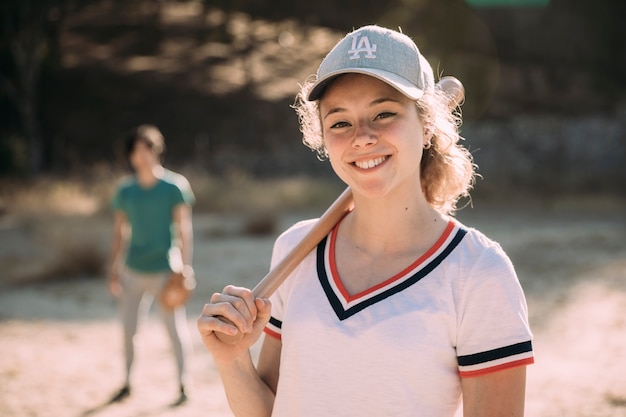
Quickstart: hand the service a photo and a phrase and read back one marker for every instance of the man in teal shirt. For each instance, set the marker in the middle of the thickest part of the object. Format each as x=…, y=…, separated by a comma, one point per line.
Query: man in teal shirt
x=152, y=230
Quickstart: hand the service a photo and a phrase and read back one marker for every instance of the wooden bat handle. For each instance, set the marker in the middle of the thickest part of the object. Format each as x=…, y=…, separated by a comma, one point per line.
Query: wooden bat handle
x=270, y=283
x=340, y=207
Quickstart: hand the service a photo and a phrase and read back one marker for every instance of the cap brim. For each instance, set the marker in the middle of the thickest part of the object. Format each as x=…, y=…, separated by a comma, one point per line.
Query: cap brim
x=399, y=83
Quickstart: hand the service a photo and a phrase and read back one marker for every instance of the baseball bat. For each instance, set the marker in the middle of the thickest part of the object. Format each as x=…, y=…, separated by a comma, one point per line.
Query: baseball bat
x=453, y=88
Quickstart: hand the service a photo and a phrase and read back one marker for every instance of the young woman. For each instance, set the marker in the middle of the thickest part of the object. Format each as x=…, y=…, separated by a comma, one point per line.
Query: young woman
x=401, y=310
x=152, y=215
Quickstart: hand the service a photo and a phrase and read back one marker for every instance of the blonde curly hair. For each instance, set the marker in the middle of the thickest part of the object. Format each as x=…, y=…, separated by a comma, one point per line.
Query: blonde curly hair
x=447, y=169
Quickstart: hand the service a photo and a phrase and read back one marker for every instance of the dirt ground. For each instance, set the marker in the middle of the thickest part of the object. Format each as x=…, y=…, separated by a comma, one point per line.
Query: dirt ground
x=60, y=342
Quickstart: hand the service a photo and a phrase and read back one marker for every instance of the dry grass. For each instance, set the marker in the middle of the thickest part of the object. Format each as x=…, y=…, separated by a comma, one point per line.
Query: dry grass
x=49, y=196
x=238, y=192
x=53, y=248
x=59, y=228
x=264, y=224
x=74, y=261
x=46, y=197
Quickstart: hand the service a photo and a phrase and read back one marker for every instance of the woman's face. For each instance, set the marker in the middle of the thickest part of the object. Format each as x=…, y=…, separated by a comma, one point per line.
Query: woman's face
x=373, y=135
x=143, y=157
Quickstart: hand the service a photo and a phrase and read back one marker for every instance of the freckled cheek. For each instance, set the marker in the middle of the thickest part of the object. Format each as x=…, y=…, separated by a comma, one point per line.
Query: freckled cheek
x=392, y=129
x=340, y=169
x=333, y=142
x=335, y=148
x=406, y=134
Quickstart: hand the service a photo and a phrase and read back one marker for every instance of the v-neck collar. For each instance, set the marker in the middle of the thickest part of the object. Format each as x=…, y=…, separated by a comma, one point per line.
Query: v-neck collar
x=346, y=305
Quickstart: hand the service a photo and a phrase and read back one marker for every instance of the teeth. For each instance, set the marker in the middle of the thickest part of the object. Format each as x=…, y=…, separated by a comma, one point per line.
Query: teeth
x=371, y=163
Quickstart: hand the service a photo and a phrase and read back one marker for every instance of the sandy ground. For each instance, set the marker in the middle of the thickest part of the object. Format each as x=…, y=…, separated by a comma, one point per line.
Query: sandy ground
x=60, y=343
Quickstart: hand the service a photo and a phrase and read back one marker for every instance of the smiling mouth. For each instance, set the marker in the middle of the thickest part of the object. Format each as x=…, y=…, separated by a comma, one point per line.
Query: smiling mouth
x=372, y=163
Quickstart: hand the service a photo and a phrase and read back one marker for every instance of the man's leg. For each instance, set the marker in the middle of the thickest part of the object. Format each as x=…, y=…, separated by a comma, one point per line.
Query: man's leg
x=176, y=324
x=130, y=307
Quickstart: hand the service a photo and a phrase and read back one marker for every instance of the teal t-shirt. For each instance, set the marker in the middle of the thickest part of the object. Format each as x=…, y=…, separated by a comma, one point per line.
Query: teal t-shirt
x=150, y=213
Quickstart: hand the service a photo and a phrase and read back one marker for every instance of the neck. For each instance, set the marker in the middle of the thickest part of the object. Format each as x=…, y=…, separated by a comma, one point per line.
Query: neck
x=394, y=223
x=149, y=175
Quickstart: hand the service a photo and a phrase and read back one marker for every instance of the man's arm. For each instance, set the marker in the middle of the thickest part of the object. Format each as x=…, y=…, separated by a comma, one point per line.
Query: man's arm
x=184, y=229
x=120, y=227
x=498, y=394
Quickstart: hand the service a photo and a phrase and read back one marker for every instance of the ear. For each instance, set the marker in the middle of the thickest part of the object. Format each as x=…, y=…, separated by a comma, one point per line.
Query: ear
x=429, y=134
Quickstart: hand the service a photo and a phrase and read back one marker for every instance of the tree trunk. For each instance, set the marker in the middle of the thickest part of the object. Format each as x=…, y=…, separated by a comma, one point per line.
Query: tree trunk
x=32, y=132
x=28, y=53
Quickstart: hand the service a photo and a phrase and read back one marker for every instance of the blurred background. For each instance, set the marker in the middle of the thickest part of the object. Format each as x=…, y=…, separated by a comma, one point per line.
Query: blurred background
x=544, y=117
x=546, y=92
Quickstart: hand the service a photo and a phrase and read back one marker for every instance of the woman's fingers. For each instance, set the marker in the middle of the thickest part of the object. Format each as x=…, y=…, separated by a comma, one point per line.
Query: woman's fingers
x=264, y=310
x=233, y=317
x=244, y=299
x=231, y=311
x=208, y=324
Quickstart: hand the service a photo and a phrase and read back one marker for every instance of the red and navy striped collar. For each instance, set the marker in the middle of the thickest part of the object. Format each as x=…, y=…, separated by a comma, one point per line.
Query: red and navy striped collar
x=346, y=305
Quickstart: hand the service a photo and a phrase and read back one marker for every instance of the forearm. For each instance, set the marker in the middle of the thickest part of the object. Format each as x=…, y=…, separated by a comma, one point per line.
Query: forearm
x=117, y=244
x=186, y=244
x=184, y=231
x=247, y=393
x=117, y=255
x=116, y=250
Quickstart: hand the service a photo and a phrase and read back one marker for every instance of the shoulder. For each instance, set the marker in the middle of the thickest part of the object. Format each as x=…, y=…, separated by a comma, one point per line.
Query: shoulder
x=482, y=259
x=126, y=184
x=282, y=246
x=177, y=186
x=485, y=276
x=478, y=244
x=124, y=192
x=174, y=179
x=290, y=238
x=295, y=233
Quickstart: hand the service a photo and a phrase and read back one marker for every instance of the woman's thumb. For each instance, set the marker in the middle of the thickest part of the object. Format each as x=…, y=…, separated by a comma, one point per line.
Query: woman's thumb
x=264, y=310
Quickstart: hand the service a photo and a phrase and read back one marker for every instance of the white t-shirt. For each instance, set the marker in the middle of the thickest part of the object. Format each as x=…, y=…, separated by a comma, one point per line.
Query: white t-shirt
x=401, y=347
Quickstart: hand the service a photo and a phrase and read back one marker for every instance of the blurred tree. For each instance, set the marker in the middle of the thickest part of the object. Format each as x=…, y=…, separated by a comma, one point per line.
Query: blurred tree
x=30, y=49
x=26, y=39
x=603, y=50
x=508, y=3
x=130, y=61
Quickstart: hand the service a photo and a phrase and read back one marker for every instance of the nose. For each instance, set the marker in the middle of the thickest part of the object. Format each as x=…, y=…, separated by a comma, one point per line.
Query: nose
x=364, y=136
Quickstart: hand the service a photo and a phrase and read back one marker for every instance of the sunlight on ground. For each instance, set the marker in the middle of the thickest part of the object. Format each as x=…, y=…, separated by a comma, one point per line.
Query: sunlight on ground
x=60, y=350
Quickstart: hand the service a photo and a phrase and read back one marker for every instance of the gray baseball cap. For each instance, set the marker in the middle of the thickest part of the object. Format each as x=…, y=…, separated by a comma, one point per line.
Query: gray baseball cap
x=382, y=53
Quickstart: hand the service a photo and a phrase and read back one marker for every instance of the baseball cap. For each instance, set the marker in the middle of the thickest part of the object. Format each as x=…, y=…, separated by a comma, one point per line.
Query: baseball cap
x=382, y=53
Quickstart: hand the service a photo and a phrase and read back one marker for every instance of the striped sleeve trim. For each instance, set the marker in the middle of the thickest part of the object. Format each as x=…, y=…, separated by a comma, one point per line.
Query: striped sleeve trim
x=273, y=328
x=496, y=360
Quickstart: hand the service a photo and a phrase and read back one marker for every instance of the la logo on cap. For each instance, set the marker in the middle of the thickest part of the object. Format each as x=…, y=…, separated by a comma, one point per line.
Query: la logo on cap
x=361, y=44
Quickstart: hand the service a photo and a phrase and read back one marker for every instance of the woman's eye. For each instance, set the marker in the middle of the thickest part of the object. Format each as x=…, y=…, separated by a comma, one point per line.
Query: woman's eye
x=339, y=125
x=384, y=115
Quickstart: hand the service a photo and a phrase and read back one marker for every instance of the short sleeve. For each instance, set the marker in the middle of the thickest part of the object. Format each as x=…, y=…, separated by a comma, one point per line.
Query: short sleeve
x=282, y=246
x=493, y=331
x=274, y=326
x=183, y=194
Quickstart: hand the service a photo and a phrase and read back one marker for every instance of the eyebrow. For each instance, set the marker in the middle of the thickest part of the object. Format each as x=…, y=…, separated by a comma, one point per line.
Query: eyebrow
x=372, y=104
